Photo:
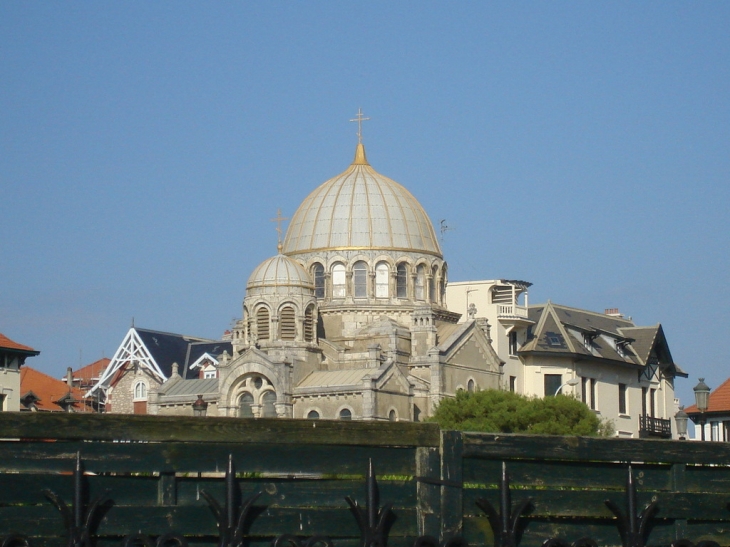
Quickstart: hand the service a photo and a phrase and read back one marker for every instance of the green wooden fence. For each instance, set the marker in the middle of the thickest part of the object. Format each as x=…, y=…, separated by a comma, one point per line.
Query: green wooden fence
x=153, y=474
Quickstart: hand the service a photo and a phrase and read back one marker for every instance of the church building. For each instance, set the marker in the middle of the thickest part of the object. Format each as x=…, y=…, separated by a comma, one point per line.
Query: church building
x=347, y=321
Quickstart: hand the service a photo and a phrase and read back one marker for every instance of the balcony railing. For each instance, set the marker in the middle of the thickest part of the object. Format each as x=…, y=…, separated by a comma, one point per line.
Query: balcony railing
x=505, y=311
x=654, y=427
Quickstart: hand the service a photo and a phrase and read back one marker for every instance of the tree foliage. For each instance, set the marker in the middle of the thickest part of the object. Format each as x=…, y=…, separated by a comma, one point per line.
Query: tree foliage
x=497, y=411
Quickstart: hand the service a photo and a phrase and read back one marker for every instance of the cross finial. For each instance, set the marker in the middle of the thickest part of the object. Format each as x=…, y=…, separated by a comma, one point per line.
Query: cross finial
x=278, y=221
x=360, y=118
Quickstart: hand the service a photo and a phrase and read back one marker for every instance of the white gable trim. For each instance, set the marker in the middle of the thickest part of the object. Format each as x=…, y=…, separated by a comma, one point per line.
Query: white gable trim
x=204, y=357
x=132, y=349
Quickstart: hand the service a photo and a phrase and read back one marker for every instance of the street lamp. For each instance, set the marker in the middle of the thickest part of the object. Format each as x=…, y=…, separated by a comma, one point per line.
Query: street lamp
x=702, y=398
x=200, y=407
x=680, y=419
x=571, y=382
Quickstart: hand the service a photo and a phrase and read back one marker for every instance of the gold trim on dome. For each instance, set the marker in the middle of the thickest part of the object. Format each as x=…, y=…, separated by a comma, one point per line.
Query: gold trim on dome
x=404, y=218
x=360, y=158
x=401, y=249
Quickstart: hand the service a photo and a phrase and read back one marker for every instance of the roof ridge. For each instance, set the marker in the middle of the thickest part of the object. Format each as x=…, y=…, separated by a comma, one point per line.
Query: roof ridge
x=189, y=337
x=581, y=310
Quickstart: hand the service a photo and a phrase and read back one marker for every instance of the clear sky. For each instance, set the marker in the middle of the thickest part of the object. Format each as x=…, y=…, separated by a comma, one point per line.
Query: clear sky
x=145, y=146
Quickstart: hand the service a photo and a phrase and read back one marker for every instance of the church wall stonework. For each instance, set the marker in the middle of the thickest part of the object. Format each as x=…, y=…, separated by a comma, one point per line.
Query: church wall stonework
x=123, y=401
x=345, y=317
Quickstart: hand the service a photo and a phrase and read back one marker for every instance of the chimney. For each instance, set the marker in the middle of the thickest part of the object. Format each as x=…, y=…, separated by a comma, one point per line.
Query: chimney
x=613, y=312
x=69, y=377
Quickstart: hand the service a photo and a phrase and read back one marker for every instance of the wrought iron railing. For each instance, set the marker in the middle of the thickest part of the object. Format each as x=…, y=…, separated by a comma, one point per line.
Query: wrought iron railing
x=654, y=427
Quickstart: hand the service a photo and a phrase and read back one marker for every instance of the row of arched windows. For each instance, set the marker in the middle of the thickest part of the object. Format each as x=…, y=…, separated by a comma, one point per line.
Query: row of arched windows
x=288, y=330
x=422, y=283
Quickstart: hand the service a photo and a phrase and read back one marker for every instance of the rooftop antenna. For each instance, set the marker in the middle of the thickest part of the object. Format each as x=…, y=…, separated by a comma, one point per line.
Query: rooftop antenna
x=444, y=228
x=278, y=221
x=360, y=118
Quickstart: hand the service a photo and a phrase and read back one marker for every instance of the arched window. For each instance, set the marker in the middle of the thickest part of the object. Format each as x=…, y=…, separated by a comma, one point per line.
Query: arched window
x=381, y=280
x=360, y=274
x=470, y=386
x=432, y=285
x=421, y=282
x=287, y=324
x=338, y=281
x=392, y=416
x=442, y=284
x=313, y=415
x=140, y=390
x=401, y=280
x=244, y=406
x=309, y=324
x=268, y=410
x=262, y=323
x=345, y=414
x=318, y=274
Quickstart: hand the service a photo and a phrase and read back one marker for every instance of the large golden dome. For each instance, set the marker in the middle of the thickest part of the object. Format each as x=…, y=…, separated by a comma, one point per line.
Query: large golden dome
x=360, y=209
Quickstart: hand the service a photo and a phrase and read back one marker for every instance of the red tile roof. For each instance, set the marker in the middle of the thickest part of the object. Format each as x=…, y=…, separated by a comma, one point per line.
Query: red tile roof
x=7, y=343
x=719, y=400
x=92, y=371
x=47, y=389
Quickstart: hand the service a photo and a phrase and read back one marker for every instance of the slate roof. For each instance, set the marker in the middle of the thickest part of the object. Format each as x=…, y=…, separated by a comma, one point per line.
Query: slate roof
x=719, y=400
x=8, y=344
x=561, y=329
x=47, y=390
x=167, y=348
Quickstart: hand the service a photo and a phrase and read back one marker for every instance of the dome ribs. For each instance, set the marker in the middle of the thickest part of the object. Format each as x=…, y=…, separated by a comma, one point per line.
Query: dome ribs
x=360, y=209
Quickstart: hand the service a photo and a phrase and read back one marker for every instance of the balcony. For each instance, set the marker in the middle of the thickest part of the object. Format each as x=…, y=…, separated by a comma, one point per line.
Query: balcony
x=654, y=427
x=511, y=311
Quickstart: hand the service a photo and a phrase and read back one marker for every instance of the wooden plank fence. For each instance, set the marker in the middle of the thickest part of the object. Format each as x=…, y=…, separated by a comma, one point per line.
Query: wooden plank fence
x=94, y=479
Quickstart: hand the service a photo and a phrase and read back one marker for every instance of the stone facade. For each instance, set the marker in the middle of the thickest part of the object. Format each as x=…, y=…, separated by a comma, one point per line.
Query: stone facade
x=347, y=321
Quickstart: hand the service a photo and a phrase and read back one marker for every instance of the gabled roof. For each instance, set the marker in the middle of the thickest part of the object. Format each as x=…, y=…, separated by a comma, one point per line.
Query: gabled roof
x=47, y=390
x=92, y=371
x=8, y=344
x=157, y=351
x=719, y=400
x=563, y=330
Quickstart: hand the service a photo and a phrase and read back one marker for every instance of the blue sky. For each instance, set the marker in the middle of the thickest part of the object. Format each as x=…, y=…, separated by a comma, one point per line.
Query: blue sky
x=581, y=146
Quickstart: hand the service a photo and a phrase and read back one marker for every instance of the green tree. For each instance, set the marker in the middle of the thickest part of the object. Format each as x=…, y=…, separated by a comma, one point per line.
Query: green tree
x=496, y=411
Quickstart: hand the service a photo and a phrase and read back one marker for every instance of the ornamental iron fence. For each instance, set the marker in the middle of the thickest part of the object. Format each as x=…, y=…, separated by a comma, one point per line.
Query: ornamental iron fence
x=102, y=480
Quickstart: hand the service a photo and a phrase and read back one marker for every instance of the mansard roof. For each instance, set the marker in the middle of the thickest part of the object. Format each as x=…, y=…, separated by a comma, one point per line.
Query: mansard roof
x=562, y=330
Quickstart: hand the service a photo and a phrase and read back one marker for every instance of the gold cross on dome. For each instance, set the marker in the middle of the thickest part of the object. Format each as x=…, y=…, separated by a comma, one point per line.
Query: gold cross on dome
x=278, y=221
x=359, y=121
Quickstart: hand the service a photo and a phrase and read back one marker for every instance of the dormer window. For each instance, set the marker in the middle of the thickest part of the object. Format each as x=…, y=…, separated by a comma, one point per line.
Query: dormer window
x=587, y=342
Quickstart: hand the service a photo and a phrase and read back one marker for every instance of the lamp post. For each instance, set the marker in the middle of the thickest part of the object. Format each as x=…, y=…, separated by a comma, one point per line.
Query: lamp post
x=680, y=419
x=571, y=382
x=702, y=398
x=200, y=407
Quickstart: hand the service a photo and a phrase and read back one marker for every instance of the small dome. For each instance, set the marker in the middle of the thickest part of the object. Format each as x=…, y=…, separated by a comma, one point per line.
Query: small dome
x=360, y=209
x=280, y=272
